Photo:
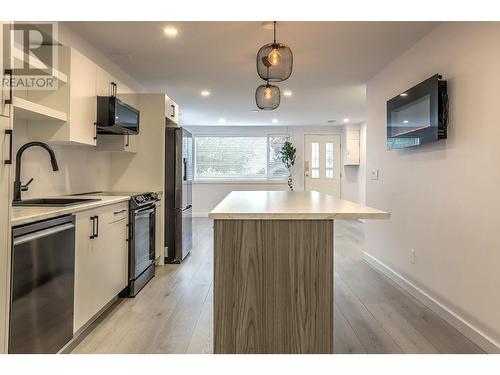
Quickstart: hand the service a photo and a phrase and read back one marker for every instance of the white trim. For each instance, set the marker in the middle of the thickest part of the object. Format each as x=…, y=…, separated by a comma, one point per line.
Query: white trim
x=486, y=343
x=200, y=214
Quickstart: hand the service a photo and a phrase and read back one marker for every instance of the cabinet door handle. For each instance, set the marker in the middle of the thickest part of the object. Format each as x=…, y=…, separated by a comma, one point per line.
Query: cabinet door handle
x=95, y=131
x=128, y=139
x=9, y=133
x=92, y=222
x=9, y=72
x=97, y=226
x=119, y=212
x=113, y=89
x=173, y=110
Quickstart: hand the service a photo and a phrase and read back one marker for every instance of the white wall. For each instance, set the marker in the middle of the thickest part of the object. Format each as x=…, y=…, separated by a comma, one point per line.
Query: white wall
x=444, y=197
x=82, y=168
x=207, y=195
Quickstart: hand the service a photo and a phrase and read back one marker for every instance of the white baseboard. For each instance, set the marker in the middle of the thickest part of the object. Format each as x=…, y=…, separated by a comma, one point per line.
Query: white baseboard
x=467, y=329
x=200, y=214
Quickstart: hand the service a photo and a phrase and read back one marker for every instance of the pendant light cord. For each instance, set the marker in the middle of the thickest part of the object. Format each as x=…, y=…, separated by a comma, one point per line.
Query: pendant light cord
x=274, y=28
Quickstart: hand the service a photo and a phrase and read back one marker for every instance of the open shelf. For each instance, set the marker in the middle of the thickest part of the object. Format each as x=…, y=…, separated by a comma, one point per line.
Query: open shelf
x=36, y=63
x=26, y=110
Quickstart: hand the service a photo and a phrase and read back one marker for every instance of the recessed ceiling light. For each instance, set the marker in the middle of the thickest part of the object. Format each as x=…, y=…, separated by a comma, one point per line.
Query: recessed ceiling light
x=222, y=121
x=403, y=94
x=170, y=31
x=287, y=93
x=255, y=110
x=405, y=121
x=275, y=120
x=268, y=25
x=205, y=93
x=346, y=119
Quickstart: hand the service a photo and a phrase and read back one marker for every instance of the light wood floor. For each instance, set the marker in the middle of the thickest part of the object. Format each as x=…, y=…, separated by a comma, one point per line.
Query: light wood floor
x=173, y=313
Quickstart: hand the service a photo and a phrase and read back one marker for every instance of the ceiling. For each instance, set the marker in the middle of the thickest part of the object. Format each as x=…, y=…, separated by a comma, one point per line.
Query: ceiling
x=332, y=63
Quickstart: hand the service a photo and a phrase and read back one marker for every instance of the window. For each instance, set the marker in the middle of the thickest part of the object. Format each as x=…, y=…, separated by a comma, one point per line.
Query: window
x=329, y=160
x=239, y=158
x=275, y=168
x=315, y=159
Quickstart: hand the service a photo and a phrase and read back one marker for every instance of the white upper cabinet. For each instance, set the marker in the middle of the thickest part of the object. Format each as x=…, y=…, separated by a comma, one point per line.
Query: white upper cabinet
x=83, y=101
x=351, y=150
x=66, y=115
x=171, y=110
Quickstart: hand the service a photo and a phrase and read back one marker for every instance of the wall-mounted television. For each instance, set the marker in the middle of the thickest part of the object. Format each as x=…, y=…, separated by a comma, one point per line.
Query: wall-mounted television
x=418, y=115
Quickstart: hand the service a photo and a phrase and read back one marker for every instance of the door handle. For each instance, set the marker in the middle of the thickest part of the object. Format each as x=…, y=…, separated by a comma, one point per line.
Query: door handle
x=9, y=72
x=173, y=110
x=9, y=133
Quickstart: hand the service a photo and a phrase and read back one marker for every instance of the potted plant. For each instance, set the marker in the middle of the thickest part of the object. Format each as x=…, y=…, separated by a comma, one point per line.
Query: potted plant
x=287, y=155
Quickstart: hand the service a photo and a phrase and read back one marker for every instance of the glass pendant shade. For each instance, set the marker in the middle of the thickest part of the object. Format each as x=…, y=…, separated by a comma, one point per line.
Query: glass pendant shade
x=274, y=62
x=267, y=97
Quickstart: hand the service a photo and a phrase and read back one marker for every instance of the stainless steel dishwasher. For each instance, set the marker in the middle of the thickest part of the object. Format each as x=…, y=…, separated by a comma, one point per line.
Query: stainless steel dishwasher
x=42, y=286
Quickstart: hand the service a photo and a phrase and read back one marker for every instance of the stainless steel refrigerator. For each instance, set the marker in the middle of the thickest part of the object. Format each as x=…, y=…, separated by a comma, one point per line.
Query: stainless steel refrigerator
x=178, y=193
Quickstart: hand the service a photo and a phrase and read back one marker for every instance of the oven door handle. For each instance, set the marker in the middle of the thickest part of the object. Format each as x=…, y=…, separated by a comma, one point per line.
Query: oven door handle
x=144, y=211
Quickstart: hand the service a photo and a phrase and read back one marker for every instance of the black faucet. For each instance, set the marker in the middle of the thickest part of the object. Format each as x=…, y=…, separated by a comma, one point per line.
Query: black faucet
x=18, y=186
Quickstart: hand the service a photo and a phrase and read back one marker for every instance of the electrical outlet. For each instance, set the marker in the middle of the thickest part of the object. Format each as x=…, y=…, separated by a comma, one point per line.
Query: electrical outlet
x=412, y=256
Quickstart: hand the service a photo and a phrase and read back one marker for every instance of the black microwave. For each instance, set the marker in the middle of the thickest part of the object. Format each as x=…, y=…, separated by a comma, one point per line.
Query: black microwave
x=116, y=117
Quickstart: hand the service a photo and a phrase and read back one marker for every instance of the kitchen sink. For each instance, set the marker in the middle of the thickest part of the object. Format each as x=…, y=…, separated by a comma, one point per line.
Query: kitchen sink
x=54, y=202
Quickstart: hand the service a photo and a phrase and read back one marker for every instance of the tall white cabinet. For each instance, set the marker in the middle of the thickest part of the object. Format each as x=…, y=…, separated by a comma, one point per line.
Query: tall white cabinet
x=5, y=191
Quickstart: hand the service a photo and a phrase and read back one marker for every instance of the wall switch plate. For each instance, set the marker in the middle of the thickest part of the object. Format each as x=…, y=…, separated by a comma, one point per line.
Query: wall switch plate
x=412, y=256
x=374, y=174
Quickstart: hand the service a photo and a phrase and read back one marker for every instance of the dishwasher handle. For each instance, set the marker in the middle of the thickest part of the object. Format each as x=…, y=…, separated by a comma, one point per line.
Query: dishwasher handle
x=42, y=233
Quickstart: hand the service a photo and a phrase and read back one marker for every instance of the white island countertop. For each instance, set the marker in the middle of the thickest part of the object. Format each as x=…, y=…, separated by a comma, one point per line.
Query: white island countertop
x=28, y=214
x=289, y=205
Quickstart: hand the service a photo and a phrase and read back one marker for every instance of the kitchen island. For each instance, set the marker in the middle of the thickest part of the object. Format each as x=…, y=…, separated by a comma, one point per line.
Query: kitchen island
x=273, y=270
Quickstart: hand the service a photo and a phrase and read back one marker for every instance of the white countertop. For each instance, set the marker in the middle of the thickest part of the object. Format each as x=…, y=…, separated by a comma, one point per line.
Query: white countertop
x=29, y=214
x=289, y=205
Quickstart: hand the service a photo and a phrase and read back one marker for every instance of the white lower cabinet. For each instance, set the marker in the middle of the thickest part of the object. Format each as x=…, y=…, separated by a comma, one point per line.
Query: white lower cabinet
x=101, y=260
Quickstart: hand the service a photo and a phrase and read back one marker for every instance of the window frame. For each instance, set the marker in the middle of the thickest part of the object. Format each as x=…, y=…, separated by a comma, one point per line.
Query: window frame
x=244, y=180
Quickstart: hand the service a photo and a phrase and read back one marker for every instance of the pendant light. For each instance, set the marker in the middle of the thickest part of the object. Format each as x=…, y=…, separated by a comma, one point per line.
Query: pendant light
x=274, y=61
x=267, y=97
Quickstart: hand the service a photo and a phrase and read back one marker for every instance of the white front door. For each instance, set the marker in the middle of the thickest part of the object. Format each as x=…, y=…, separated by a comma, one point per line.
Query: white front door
x=322, y=163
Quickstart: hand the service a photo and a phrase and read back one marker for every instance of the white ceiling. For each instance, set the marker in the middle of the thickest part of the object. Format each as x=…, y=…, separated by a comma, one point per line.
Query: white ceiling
x=332, y=62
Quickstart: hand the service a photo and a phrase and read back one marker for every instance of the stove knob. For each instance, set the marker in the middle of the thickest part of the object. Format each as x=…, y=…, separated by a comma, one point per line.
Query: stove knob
x=154, y=196
x=139, y=198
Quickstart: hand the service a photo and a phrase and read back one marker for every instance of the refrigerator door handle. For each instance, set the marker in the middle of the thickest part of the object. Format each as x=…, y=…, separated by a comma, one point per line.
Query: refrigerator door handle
x=184, y=173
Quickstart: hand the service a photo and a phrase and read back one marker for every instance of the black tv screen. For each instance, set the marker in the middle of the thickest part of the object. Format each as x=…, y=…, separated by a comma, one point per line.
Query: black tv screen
x=418, y=115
